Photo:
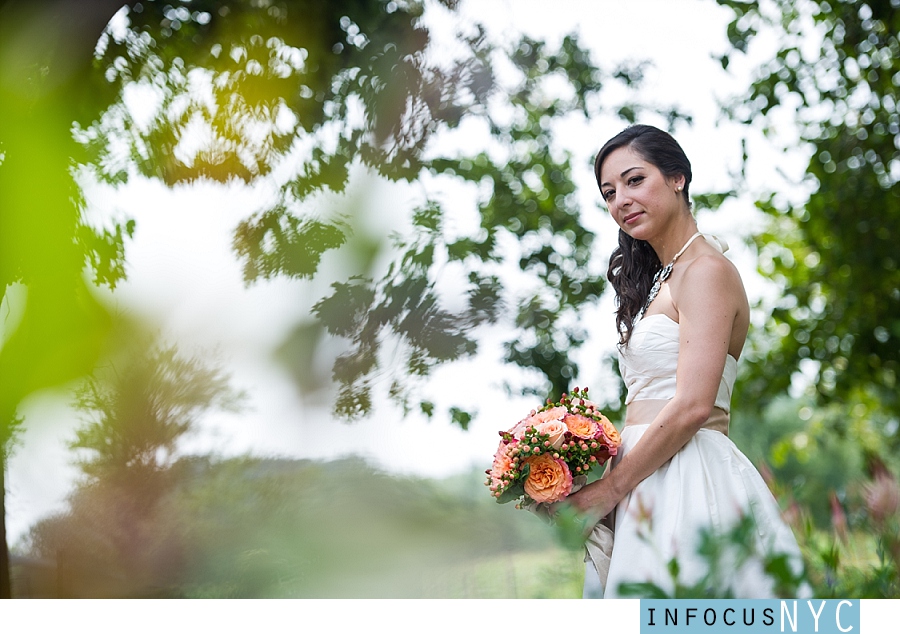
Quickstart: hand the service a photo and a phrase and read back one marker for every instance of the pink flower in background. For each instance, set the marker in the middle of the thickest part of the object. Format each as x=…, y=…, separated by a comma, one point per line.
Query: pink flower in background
x=839, y=519
x=882, y=497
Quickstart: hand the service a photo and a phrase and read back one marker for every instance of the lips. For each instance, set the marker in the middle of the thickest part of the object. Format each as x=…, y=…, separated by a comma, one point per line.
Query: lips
x=631, y=217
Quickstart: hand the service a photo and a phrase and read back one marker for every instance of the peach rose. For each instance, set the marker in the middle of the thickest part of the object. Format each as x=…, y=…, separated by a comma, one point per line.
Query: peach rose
x=549, y=479
x=582, y=426
x=556, y=429
x=610, y=431
x=502, y=462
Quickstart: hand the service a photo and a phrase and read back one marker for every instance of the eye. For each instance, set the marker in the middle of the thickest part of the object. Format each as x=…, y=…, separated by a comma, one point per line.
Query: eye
x=608, y=194
x=635, y=180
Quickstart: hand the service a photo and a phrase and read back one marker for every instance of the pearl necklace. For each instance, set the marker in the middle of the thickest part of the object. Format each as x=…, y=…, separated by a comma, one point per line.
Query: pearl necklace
x=663, y=274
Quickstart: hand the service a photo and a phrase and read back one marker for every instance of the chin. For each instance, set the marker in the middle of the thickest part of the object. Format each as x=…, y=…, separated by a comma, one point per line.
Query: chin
x=638, y=233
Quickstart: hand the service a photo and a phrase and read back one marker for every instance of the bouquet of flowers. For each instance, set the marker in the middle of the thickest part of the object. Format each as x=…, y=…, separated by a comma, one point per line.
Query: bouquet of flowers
x=539, y=458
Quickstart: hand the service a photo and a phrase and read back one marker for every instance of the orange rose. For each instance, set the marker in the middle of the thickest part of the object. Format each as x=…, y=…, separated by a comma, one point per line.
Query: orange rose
x=549, y=479
x=610, y=431
x=581, y=426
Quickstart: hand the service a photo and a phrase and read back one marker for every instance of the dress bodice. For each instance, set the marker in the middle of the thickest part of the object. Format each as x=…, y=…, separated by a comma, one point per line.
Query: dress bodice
x=649, y=361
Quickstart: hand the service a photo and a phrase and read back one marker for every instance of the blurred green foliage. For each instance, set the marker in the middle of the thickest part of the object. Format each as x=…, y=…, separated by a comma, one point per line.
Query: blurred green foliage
x=842, y=503
x=54, y=329
x=805, y=449
x=45, y=242
x=303, y=92
x=836, y=76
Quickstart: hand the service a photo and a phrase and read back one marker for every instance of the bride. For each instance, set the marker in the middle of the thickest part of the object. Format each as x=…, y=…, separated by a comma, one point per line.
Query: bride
x=682, y=316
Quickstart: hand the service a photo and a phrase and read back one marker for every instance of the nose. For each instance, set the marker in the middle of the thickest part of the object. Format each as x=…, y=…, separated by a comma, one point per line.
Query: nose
x=622, y=198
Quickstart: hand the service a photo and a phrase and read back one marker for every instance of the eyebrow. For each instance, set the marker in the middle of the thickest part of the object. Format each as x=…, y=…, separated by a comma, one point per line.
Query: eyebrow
x=636, y=167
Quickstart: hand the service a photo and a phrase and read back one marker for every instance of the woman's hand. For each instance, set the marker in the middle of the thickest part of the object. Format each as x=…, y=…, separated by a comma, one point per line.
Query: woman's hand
x=577, y=515
x=592, y=503
x=596, y=499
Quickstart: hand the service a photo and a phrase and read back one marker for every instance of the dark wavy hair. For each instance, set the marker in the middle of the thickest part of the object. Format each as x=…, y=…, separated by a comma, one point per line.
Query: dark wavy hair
x=634, y=262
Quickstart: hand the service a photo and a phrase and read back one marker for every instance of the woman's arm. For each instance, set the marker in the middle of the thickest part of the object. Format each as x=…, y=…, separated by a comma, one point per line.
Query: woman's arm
x=710, y=299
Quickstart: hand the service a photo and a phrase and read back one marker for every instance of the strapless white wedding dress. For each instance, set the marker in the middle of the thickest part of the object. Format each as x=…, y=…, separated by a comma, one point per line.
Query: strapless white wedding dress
x=708, y=485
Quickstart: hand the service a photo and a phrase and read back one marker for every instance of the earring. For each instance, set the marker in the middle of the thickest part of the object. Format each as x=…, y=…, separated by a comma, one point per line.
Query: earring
x=679, y=188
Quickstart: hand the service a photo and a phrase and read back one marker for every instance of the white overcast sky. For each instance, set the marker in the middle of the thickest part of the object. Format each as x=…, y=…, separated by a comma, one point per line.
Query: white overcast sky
x=183, y=277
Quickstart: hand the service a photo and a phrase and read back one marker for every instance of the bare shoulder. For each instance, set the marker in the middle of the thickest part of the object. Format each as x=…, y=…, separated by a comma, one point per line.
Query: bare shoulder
x=712, y=304
x=712, y=267
x=711, y=277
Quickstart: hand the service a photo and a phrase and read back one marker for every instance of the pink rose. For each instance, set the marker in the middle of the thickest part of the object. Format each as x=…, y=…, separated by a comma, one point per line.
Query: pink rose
x=555, y=413
x=518, y=430
x=549, y=479
x=536, y=419
x=556, y=430
x=502, y=462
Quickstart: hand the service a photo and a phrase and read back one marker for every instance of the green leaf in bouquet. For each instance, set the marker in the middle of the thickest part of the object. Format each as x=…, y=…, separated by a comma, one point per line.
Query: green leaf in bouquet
x=514, y=492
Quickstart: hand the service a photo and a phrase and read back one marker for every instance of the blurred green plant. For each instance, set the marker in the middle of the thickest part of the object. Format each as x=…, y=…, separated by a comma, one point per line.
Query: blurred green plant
x=53, y=328
x=724, y=554
x=136, y=406
x=809, y=451
x=857, y=551
x=859, y=554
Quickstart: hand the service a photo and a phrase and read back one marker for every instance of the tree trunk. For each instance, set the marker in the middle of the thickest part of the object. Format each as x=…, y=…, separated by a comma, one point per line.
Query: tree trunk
x=5, y=580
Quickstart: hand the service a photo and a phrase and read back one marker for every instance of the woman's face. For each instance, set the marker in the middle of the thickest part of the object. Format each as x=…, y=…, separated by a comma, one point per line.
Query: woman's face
x=639, y=197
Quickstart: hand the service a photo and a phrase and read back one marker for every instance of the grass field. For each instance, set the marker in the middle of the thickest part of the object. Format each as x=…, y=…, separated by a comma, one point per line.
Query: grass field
x=548, y=574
